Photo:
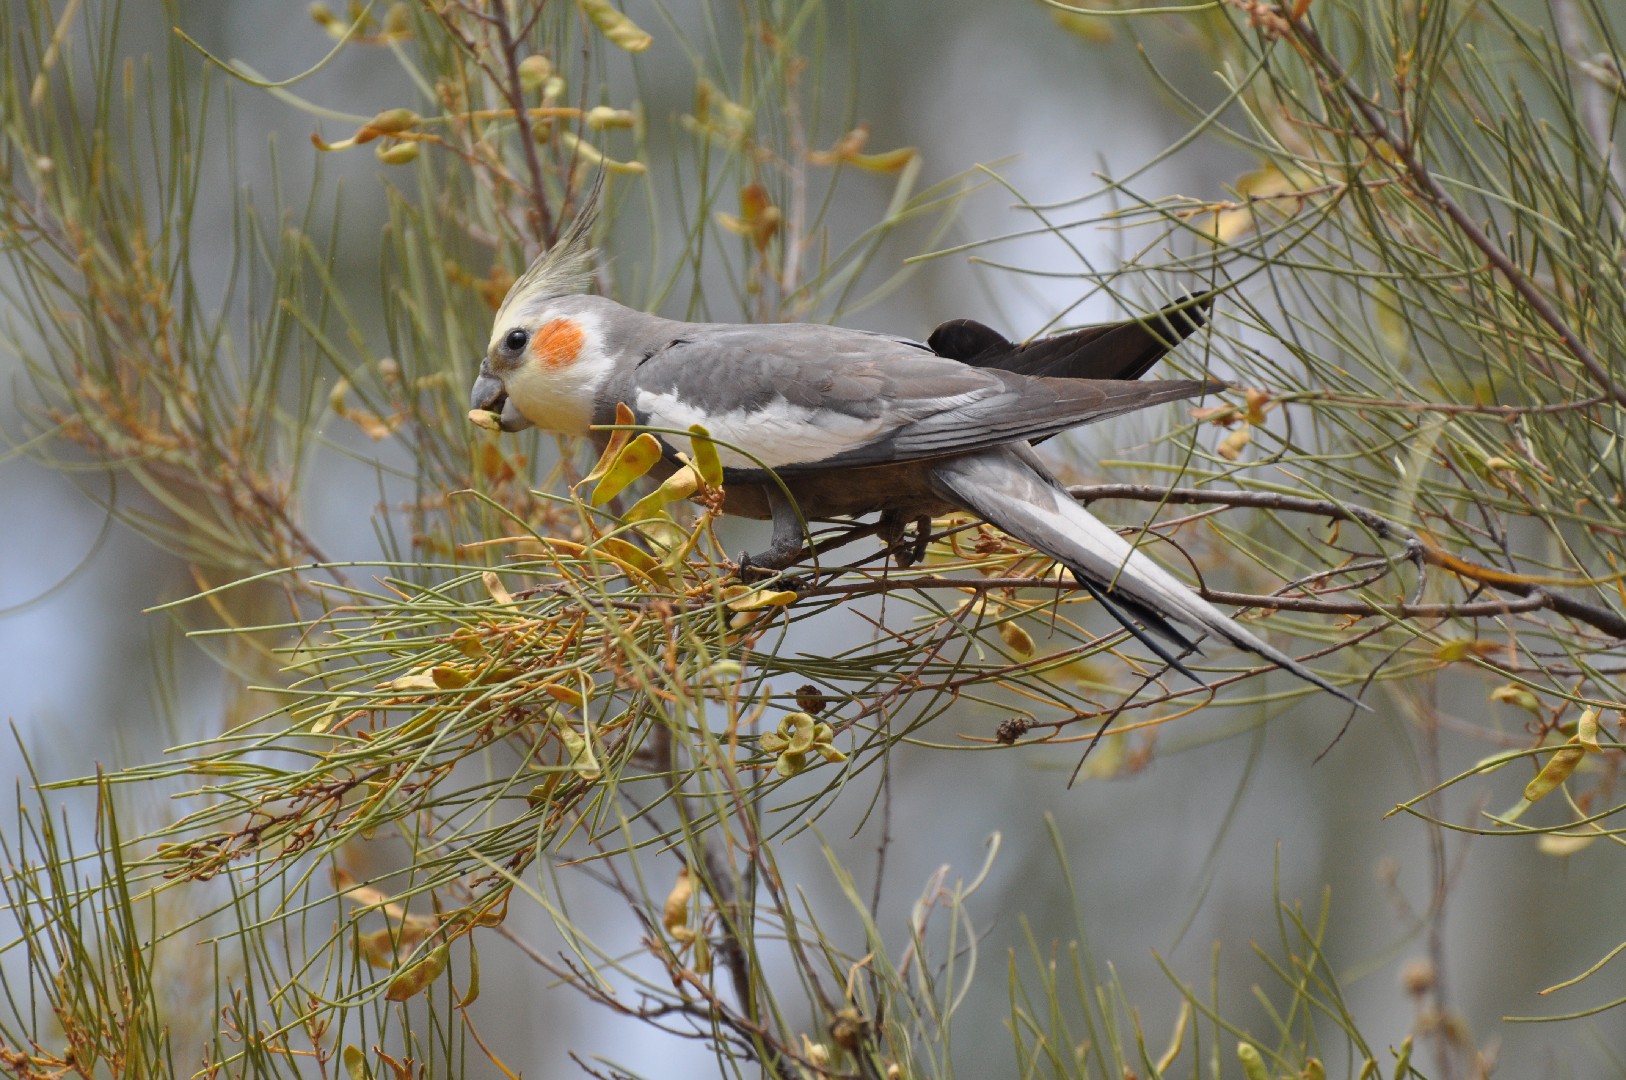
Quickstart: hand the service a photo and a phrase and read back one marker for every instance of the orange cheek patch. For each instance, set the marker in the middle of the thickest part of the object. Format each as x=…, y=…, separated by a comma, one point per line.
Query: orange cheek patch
x=557, y=343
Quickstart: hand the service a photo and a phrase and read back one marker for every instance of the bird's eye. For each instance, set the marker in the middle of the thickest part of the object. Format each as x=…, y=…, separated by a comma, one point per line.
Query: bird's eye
x=516, y=340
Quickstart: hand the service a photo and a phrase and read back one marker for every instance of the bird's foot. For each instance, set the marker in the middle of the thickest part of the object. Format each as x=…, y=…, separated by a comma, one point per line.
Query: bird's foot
x=891, y=531
x=749, y=567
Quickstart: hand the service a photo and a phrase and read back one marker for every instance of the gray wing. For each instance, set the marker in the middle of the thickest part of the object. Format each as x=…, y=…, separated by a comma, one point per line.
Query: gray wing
x=796, y=397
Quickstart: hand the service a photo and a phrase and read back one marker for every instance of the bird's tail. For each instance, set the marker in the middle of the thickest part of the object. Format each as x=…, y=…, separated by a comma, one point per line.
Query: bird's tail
x=1008, y=487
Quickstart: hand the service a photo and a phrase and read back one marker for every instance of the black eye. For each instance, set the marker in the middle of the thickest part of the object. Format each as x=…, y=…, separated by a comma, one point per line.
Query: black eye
x=516, y=340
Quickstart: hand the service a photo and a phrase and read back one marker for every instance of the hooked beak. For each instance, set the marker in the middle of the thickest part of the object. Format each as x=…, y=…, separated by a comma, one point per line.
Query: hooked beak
x=489, y=395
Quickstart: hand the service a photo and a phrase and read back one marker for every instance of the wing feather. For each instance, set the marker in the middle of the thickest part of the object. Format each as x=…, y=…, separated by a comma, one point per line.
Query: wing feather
x=800, y=397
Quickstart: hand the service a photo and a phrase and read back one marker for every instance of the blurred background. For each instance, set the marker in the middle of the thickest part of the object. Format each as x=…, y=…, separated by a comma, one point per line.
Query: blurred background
x=1175, y=863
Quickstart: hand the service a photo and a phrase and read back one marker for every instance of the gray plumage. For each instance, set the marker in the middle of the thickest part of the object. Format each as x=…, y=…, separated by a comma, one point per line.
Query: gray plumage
x=856, y=423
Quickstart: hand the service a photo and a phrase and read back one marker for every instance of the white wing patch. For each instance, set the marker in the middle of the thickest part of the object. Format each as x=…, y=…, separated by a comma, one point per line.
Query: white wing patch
x=775, y=435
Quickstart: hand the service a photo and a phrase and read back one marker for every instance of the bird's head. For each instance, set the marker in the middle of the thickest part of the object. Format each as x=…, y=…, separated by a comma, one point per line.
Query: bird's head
x=542, y=364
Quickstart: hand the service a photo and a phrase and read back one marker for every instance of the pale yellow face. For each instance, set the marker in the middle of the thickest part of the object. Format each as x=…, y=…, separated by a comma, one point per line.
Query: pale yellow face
x=550, y=366
x=545, y=364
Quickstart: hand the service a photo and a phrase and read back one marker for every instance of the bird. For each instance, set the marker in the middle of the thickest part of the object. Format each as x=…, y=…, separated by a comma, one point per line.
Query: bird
x=813, y=421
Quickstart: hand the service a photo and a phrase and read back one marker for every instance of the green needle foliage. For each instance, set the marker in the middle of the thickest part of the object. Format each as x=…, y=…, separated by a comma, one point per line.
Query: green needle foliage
x=547, y=674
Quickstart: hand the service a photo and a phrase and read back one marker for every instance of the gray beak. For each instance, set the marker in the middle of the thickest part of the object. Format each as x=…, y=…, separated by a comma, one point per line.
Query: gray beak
x=489, y=395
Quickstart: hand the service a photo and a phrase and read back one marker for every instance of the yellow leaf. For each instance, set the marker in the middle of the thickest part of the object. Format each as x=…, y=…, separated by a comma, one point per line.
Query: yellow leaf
x=416, y=978
x=355, y=1063
x=324, y=718
x=1018, y=640
x=534, y=71
x=1234, y=219
x=703, y=452
x=1231, y=447
x=616, y=26
x=1258, y=404
x=1096, y=31
x=472, y=994
x=1219, y=415
x=798, y=729
x=1559, y=845
x=421, y=680
x=1586, y=731
x=885, y=162
x=634, y=460
x=594, y=156
x=600, y=117
x=1456, y=649
x=763, y=598
x=702, y=956
x=1516, y=695
x=680, y=485
x=612, y=449
x=1253, y=1062
x=495, y=912
x=580, y=748
x=381, y=948
x=495, y=587
x=400, y=153
x=759, y=218
x=632, y=557
x=848, y=150
x=388, y=122
x=564, y=694
x=1558, y=768
x=675, y=912
x=1391, y=320
x=448, y=677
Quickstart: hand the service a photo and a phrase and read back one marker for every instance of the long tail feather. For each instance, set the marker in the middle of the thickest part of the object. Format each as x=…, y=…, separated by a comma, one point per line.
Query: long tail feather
x=1009, y=488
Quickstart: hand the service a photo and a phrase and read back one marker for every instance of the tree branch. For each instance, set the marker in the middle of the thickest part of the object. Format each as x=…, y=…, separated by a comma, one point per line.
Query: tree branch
x=1594, y=615
x=1404, y=153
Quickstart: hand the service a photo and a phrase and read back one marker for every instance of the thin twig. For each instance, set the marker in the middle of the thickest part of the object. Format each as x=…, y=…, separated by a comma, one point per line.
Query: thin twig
x=1386, y=144
x=512, y=89
x=1595, y=615
x=1597, y=109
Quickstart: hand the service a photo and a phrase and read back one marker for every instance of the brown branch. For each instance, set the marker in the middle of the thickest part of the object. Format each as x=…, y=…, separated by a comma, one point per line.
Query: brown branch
x=1470, y=610
x=1404, y=153
x=1594, y=615
x=1535, y=595
x=515, y=93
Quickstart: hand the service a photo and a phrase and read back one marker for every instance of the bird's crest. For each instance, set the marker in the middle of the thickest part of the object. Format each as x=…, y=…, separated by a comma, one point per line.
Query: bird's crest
x=563, y=269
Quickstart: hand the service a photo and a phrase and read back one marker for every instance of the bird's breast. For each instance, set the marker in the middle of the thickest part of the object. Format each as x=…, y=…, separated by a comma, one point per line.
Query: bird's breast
x=904, y=487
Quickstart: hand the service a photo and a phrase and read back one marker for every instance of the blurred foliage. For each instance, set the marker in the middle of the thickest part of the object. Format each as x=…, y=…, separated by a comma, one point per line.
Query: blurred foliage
x=1420, y=476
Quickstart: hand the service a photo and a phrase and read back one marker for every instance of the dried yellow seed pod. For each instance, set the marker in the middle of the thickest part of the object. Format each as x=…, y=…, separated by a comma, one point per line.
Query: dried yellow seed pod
x=614, y=24
x=399, y=154
x=675, y=912
x=534, y=72
x=1016, y=639
x=603, y=116
x=1253, y=1062
x=388, y=122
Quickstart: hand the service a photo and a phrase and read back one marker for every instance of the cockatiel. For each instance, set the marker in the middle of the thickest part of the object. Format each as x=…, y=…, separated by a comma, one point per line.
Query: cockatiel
x=857, y=423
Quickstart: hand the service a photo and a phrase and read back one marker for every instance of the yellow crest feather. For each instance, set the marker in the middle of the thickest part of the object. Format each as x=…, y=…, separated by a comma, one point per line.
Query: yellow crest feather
x=563, y=269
